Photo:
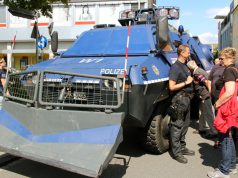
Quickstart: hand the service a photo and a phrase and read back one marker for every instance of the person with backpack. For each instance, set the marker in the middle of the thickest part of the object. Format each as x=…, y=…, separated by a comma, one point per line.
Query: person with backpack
x=226, y=119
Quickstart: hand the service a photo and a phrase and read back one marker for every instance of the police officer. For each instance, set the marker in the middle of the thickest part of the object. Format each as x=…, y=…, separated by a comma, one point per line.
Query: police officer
x=180, y=84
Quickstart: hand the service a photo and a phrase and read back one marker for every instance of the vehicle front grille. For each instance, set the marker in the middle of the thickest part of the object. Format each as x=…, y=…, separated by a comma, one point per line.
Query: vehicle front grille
x=64, y=89
x=23, y=86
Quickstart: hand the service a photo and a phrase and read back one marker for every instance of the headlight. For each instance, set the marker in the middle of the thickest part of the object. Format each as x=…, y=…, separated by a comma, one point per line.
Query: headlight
x=163, y=12
x=112, y=84
x=171, y=12
x=174, y=13
x=127, y=14
x=123, y=15
x=131, y=14
x=34, y=79
x=119, y=83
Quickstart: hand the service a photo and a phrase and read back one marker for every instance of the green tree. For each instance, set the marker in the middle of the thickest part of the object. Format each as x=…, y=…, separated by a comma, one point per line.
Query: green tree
x=44, y=6
x=215, y=53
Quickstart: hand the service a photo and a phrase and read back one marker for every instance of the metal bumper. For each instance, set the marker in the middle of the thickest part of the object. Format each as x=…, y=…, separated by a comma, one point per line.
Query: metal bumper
x=78, y=141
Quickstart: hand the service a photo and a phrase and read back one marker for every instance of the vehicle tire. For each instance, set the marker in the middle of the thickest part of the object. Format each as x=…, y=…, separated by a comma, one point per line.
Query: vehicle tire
x=155, y=137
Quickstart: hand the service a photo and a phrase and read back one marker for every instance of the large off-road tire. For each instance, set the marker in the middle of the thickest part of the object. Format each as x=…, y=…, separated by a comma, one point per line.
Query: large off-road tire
x=155, y=136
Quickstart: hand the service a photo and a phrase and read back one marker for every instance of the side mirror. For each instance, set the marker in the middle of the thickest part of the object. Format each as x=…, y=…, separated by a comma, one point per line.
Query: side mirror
x=50, y=28
x=162, y=31
x=54, y=42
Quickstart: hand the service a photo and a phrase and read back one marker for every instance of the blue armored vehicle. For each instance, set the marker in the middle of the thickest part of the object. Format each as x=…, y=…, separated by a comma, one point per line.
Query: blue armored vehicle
x=68, y=111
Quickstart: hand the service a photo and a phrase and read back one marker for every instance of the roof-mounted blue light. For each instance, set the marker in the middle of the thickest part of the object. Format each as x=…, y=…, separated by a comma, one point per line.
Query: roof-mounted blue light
x=180, y=29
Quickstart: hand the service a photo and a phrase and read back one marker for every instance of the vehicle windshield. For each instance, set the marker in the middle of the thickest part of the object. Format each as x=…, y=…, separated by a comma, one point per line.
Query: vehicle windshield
x=112, y=41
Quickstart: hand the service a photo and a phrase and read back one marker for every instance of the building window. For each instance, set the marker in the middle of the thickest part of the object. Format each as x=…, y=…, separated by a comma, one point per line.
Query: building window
x=23, y=62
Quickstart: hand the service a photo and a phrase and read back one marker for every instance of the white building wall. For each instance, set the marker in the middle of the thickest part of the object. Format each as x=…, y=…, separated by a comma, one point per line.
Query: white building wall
x=69, y=23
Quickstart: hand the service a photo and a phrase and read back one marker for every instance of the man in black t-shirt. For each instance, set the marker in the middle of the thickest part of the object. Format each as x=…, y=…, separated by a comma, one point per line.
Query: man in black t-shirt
x=180, y=84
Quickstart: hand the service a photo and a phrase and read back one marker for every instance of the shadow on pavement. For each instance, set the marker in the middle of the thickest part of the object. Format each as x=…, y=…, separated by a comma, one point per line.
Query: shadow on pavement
x=127, y=149
x=27, y=168
x=130, y=145
x=210, y=156
x=115, y=170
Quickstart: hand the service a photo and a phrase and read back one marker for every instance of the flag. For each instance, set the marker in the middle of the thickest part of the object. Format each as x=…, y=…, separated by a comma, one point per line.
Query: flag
x=35, y=31
x=14, y=39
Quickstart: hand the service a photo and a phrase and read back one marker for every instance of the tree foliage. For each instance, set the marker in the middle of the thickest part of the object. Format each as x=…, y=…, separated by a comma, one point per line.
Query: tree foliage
x=215, y=53
x=43, y=6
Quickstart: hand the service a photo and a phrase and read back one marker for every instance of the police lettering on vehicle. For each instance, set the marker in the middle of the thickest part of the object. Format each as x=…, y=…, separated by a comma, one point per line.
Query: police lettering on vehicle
x=112, y=71
x=88, y=60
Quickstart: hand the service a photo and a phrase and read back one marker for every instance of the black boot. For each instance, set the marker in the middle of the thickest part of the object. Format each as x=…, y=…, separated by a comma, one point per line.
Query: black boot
x=188, y=152
x=181, y=159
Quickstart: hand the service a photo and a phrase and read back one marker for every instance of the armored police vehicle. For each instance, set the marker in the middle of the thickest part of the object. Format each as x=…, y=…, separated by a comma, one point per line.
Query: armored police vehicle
x=68, y=111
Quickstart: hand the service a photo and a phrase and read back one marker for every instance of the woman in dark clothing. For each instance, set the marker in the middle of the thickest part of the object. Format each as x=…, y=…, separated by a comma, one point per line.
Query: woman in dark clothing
x=2, y=78
x=214, y=76
x=228, y=80
x=2, y=73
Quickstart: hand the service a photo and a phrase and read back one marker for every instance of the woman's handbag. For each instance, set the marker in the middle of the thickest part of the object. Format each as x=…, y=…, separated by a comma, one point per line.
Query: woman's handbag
x=227, y=115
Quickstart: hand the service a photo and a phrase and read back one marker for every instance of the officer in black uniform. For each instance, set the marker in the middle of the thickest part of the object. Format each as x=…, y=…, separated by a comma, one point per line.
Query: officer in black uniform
x=180, y=84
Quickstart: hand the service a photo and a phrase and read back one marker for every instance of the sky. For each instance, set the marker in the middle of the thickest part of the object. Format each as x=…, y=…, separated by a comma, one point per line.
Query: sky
x=197, y=16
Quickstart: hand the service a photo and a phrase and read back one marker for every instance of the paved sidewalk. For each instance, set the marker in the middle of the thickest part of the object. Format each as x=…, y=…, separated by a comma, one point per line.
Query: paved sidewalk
x=133, y=162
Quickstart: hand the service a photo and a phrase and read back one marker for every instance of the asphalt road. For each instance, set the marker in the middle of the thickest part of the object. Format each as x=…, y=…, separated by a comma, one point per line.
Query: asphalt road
x=133, y=162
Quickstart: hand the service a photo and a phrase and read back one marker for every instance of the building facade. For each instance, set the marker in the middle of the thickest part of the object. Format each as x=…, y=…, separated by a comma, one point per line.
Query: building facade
x=69, y=22
x=234, y=11
x=228, y=27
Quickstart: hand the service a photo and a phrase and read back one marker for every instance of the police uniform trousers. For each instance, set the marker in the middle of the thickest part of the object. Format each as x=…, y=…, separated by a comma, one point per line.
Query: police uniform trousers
x=178, y=129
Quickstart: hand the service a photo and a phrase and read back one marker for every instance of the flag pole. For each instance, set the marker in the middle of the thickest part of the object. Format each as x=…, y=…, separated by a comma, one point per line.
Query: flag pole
x=125, y=61
x=9, y=63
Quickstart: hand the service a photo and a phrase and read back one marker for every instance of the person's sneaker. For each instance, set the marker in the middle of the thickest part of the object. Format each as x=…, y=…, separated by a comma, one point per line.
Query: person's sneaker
x=181, y=159
x=217, y=174
x=233, y=171
x=188, y=152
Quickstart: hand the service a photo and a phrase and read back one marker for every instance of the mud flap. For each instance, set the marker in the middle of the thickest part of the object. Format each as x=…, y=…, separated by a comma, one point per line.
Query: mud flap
x=78, y=141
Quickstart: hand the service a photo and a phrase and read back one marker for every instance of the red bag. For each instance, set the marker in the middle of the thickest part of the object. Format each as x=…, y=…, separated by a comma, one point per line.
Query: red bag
x=227, y=115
